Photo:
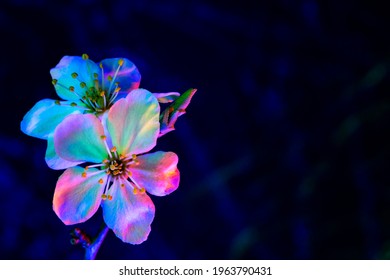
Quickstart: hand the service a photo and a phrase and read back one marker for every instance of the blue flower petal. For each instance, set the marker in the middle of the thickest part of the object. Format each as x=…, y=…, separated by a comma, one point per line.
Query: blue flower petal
x=73, y=71
x=127, y=77
x=44, y=117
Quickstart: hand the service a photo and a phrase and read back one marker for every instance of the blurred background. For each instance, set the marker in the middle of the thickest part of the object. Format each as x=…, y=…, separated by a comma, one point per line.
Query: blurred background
x=284, y=150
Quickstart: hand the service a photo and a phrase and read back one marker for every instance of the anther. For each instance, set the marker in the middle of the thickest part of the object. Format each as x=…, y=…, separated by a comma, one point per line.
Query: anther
x=74, y=75
x=103, y=137
x=95, y=75
x=135, y=191
x=83, y=85
x=122, y=185
x=129, y=174
x=101, y=65
x=73, y=104
x=109, y=78
x=109, y=197
x=104, y=196
x=100, y=181
x=113, y=149
x=120, y=62
x=54, y=81
x=71, y=88
x=105, y=160
x=134, y=156
x=84, y=174
x=142, y=190
x=86, y=168
x=102, y=93
x=57, y=102
x=85, y=56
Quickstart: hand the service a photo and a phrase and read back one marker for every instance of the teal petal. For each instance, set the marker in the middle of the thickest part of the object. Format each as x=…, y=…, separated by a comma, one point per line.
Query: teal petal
x=77, y=196
x=79, y=138
x=44, y=117
x=129, y=215
x=71, y=71
x=53, y=160
x=133, y=122
x=127, y=77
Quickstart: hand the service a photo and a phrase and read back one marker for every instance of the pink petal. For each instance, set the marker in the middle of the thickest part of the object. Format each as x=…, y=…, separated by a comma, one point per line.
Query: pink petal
x=129, y=215
x=157, y=172
x=133, y=122
x=77, y=198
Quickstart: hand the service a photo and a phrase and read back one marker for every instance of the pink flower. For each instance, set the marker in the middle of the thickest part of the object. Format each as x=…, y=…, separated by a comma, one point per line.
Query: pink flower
x=122, y=174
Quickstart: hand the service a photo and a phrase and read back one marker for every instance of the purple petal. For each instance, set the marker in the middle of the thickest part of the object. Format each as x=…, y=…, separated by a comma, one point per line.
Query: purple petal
x=128, y=76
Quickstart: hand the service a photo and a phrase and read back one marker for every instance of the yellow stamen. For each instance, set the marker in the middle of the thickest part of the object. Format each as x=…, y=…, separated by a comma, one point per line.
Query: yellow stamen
x=135, y=191
x=75, y=75
x=85, y=56
x=84, y=174
x=109, y=197
x=122, y=185
x=54, y=81
x=100, y=181
x=120, y=62
x=83, y=85
x=57, y=102
x=71, y=88
x=104, y=196
x=113, y=149
x=103, y=137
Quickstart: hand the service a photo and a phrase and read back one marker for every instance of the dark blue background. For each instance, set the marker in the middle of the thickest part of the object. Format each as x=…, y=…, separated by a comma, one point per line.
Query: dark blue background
x=283, y=151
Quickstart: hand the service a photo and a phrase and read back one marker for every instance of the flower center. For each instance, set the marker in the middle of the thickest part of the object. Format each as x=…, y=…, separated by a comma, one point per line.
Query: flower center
x=117, y=168
x=97, y=98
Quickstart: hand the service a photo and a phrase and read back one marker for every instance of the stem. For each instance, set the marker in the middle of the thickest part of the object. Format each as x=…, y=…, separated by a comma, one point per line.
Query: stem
x=92, y=250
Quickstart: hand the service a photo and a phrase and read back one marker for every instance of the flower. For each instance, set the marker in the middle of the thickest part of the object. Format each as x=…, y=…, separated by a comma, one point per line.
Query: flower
x=86, y=87
x=122, y=172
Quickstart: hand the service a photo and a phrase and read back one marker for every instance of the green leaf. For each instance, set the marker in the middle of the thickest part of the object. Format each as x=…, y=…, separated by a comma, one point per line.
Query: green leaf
x=170, y=115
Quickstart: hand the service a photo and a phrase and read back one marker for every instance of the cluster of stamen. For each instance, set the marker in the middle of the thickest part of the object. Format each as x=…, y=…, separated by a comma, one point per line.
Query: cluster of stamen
x=97, y=98
x=116, y=167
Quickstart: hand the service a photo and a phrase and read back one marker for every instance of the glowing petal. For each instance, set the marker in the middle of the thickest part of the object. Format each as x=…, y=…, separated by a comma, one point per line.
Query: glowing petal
x=133, y=122
x=128, y=76
x=129, y=215
x=79, y=138
x=77, y=197
x=64, y=74
x=43, y=118
x=157, y=172
x=166, y=97
x=53, y=160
